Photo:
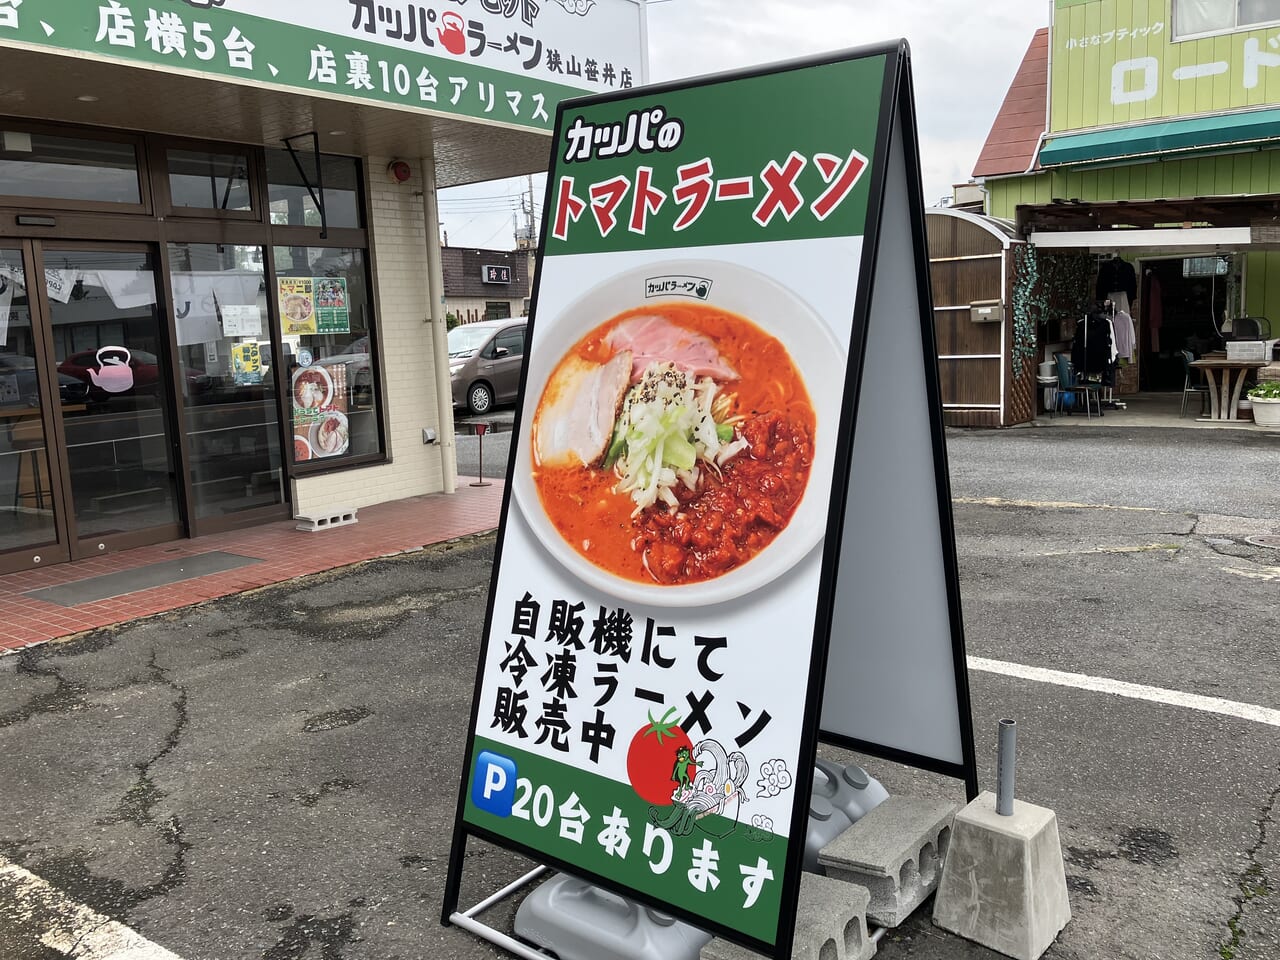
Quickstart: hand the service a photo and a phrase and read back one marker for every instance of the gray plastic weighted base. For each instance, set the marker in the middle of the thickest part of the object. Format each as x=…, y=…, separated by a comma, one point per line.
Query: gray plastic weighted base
x=849, y=789
x=578, y=921
x=841, y=797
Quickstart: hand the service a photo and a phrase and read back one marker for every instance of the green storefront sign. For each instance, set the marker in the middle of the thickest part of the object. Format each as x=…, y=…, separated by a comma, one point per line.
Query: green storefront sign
x=1118, y=62
x=490, y=66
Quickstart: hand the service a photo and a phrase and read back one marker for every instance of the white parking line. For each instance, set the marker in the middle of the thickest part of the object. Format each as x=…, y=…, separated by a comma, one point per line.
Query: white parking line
x=1134, y=691
x=78, y=931
x=1053, y=504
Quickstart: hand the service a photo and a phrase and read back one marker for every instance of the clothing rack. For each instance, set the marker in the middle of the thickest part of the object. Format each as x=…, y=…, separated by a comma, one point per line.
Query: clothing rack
x=1108, y=399
x=1106, y=395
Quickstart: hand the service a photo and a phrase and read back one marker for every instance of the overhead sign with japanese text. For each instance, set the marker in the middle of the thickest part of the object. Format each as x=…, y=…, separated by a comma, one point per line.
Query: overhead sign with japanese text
x=649, y=690
x=1129, y=61
x=504, y=61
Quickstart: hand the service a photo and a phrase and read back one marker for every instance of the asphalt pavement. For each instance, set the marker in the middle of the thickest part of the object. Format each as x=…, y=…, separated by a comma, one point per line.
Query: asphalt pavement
x=273, y=775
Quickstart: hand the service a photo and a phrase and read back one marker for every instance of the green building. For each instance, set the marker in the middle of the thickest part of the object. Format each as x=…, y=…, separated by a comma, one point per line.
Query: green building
x=1149, y=130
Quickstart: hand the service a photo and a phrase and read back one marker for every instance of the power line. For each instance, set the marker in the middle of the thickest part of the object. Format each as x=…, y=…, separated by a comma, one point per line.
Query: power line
x=492, y=235
x=491, y=196
x=511, y=201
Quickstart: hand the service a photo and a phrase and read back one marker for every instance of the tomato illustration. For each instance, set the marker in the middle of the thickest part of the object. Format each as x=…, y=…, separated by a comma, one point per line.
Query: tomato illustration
x=652, y=758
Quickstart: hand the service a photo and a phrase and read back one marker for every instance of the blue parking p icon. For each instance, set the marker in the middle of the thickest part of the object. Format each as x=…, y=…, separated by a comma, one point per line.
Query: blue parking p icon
x=494, y=788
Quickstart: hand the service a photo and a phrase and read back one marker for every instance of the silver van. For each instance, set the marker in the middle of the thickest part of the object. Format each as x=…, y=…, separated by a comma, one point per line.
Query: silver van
x=485, y=360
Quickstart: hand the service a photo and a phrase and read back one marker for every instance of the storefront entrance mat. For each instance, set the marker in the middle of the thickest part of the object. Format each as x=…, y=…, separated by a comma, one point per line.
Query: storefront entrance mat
x=93, y=589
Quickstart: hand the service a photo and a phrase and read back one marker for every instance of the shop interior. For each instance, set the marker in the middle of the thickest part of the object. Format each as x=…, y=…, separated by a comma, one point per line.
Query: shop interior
x=1184, y=303
x=1130, y=324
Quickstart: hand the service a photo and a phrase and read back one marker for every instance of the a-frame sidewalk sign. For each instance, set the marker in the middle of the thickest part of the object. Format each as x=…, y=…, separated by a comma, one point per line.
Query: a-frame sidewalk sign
x=729, y=426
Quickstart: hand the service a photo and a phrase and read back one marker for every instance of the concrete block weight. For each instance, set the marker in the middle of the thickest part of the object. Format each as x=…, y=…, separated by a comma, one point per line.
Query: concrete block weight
x=831, y=924
x=1004, y=884
x=895, y=851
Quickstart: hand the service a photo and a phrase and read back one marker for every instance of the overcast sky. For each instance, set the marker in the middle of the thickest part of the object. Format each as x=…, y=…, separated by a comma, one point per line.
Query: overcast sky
x=964, y=55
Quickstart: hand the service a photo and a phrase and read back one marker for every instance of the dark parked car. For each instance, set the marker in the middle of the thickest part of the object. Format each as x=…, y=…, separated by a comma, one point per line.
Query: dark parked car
x=23, y=371
x=95, y=368
x=485, y=360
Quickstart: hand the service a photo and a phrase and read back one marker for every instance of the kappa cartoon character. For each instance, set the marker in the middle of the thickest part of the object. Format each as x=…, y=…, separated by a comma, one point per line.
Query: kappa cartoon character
x=717, y=785
x=680, y=772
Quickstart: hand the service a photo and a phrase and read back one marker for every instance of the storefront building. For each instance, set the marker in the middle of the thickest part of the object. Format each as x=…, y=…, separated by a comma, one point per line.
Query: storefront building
x=220, y=304
x=1148, y=131
x=486, y=284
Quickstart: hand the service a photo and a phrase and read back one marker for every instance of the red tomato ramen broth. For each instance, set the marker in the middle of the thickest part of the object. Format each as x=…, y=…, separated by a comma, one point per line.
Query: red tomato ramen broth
x=731, y=517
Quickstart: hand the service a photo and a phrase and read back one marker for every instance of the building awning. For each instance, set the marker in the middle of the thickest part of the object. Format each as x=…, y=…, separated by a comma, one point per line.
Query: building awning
x=1221, y=239
x=50, y=87
x=1191, y=133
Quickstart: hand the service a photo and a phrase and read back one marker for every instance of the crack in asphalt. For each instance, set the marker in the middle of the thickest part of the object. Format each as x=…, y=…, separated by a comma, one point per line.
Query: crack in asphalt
x=331, y=934
x=412, y=603
x=140, y=800
x=114, y=897
x=67, y=695
x=1253, y=882
x=1233, y=547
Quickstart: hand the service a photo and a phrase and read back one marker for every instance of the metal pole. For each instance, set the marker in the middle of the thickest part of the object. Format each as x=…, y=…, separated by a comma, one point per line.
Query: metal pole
x=506, y=891
x=1006, y=752
x=480, y=429
x=439, y=328
x=644, y=42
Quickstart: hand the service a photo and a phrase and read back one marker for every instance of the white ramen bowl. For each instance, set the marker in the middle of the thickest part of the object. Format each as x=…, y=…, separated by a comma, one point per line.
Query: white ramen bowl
x=780, y=312
x=317, y=448
x=320, y=373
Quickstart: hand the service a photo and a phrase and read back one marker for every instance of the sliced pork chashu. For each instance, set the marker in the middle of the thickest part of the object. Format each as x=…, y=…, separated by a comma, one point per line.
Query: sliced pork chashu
x=579, y=409
x=655, y=339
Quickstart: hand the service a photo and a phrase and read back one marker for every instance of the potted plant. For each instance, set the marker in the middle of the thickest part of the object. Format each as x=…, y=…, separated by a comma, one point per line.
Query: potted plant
x=1266, y=403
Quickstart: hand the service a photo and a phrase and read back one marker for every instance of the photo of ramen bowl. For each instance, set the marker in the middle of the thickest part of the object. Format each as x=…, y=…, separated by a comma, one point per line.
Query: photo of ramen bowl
x=297, y=307
x=312, y=388
x=330, y=435
x=301, y=449
x=677, y=447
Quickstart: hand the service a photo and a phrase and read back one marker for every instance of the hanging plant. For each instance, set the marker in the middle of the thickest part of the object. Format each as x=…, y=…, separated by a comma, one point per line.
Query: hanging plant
x=1027, y=308
x=1046, y=286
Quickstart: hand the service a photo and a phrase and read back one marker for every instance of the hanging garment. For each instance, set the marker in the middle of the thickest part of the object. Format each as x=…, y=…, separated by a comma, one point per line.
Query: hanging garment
x=1153, y=310
x=1119, y=300
x=1122, y=326
x=1116, y=275
x=1091, y=347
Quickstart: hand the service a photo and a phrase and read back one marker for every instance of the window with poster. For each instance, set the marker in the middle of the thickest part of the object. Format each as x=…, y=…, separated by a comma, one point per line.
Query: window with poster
x=326, y=328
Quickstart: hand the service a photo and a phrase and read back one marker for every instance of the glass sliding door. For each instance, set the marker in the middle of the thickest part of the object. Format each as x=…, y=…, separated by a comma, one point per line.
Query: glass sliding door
x=232, y=419
x=108, y=337
x=29, y=497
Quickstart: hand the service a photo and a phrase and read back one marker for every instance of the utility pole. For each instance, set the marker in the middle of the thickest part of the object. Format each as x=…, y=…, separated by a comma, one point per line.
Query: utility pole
x=532, y=232
x=527, y=234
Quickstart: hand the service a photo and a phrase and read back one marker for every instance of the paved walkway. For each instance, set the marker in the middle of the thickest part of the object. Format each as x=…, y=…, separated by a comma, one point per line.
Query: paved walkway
x=1149, y=410
x=283, y=553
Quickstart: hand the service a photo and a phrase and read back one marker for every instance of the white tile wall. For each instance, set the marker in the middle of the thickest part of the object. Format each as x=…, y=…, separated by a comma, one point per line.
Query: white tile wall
x=408, y=375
